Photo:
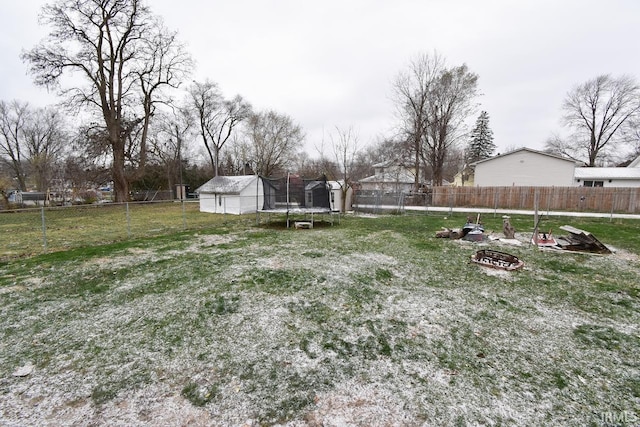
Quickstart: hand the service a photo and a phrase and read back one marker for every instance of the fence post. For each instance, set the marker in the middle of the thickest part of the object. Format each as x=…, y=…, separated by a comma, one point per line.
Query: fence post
x=44, y=231
x=128, y=221
x=613, y=203
x=184, y=216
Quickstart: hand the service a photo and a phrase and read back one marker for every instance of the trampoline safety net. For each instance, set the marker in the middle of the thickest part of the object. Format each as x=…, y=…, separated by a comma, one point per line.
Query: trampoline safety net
x=293, y=192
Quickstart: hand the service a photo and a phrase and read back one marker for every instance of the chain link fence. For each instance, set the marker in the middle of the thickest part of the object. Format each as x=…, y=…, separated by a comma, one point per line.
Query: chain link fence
x=27, y=232
x=545, y=199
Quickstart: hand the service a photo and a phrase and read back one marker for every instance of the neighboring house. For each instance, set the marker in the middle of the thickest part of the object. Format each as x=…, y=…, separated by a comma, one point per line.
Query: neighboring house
x=609, y=177
x=389, y=176
x=232, y=194
x=524, y=167
x=464, y=178
x=335, y=196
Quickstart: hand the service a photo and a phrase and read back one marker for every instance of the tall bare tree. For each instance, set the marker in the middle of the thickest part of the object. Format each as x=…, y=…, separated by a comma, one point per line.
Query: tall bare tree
x=14, y=117
x=412, y=89
x=599, y=111
x=164, y=66
x=106, y=43
x=450, y=104
x=218, y=117
x=433, y=101
x=274, y=141
x=45, y=138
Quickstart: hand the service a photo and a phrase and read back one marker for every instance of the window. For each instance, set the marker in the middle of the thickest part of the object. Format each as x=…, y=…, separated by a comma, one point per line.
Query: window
x=219, y=200
x=593, y=184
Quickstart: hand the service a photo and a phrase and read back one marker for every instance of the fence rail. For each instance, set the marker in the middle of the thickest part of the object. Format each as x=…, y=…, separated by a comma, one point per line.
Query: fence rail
x=581, y=199
x=32, y=231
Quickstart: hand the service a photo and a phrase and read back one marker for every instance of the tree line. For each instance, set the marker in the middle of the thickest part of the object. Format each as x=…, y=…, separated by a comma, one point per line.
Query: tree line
x=140, y=122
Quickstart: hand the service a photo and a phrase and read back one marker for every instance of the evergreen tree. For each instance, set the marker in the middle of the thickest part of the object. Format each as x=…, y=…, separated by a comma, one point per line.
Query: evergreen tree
x=481, y=145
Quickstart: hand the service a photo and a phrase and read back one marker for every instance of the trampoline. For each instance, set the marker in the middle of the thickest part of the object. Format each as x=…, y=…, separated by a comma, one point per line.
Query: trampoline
x=296, y=197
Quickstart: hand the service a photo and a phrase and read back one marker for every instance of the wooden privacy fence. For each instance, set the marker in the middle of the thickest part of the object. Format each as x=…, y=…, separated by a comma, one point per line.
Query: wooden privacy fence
x=590, y=199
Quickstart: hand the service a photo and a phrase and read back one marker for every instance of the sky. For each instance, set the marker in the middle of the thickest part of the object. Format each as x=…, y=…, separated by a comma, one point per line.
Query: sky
x=332, y=63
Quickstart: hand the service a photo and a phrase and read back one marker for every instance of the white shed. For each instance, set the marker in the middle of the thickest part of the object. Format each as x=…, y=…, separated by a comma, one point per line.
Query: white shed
x=524, y=167
x=335, y=196
x=234, y=195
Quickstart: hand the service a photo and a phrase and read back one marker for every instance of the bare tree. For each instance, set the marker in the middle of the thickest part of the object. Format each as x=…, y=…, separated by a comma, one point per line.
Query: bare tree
x=14, y=117
x=45, y=138
x=238, y=156
x=274, y=140
x=218, y=117
x=434, y=101
x=107, y=44
x=345, y=153
x=412, y=89
x=172, y=132
x=599, y=111
x=166, y=63
x=450, y=103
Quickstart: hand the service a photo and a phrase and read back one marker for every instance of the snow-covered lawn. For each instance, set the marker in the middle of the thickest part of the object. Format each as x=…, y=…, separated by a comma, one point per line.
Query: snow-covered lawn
x=370, y=323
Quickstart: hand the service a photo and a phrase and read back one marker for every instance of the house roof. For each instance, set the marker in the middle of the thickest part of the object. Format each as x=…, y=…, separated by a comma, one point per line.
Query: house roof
x=635, y=163
x=389, y=163
x=520, y=150
x=607, y=173
x=390, y=177
x=227, y=184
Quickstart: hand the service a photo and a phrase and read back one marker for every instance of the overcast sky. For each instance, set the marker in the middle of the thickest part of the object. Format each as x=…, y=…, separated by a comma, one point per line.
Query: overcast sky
x=332, y=63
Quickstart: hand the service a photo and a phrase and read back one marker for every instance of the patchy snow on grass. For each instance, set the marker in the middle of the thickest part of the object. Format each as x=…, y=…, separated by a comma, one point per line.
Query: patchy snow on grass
x=331, y=327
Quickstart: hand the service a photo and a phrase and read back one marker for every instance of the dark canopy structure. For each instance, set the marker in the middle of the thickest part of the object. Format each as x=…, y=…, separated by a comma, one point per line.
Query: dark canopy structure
x=296, y=194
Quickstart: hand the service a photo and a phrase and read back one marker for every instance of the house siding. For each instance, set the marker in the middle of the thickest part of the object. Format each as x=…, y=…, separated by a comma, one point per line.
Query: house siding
x=524, y=168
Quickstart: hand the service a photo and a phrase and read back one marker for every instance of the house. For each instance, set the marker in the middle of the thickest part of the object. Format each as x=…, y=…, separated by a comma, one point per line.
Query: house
x=464, y=178
x=235, y=195
x=524, y=167
x=389, y=176
x=609, y=177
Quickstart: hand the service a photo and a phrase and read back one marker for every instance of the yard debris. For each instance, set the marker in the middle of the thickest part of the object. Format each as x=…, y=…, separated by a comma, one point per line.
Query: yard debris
x=544, y=239
x=577, y=241
x=582, y=241
x=507, y=228
x=497, y=259
x=448, y=233
x=473, y=231
x=24, y=371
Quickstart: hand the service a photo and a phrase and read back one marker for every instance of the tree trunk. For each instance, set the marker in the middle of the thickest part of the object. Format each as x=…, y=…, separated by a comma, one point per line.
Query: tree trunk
x=120, y=182
x=416, y=183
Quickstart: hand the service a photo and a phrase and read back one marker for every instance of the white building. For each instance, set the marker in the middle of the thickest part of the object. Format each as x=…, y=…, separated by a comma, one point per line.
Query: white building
x=335, y=197
x=232, y=195
x=389, y=176
x=609, y=177
x=524, y=167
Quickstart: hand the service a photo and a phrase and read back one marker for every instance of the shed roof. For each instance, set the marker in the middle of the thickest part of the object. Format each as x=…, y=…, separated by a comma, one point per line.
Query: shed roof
x=227, y=184
x=607, y=173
